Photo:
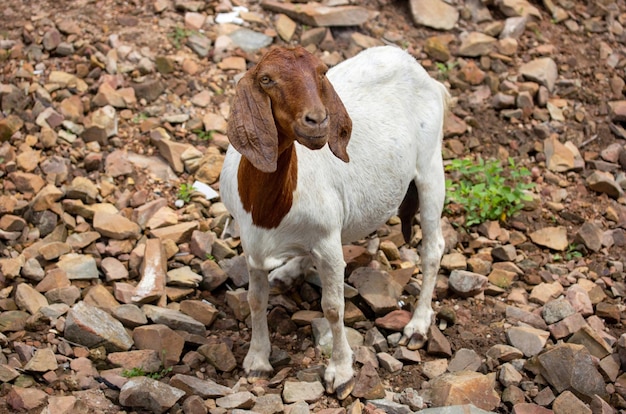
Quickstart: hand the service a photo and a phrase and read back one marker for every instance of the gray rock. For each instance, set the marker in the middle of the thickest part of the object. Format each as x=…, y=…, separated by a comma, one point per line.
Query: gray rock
x=542, y=70
x=557, y=310
x=302, y=391
x=435, y=14
x=149, y=394
x=570, y=367
x=528, y=340
x=174, y=319
x=466, y=283
x=93, y=327
x=249, y=40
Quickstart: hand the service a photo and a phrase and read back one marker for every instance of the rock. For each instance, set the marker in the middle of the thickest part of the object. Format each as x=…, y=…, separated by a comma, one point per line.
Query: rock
x=148, y=360
x=604, y=182
x=518, y=8
x=368, y=384
x=91, y=327
x=315, y=14
x=554, y=238
x=556, y=310
x=115, y=226
x=161, y=339
x=465, y=360
x=149, y=394
x=377, y=288
x=394, y=320
x=183, y=276
x=435, y=14
x=25, y=399
x=78, y=266
x=476, y=44
x=592, y=341
x=528, y=340
x=238, y=400
x=150, y=89
x=462, y=388
x=570, y=367
x=544, y=292
x=44, y=360
x=202, y=311
x=153, y=273
x=302, y=391
x=28, y=299
x=542, y=70
x=219, y=355
x=467, y=284
x=193, y=385
x=174, y=319
x=559, y=158
x=438, y=344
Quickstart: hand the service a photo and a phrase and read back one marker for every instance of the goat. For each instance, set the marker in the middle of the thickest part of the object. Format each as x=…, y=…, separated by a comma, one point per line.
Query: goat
x=292, y=195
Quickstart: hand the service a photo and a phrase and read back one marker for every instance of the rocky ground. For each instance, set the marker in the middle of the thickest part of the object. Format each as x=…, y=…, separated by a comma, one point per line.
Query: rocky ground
x=123, y=288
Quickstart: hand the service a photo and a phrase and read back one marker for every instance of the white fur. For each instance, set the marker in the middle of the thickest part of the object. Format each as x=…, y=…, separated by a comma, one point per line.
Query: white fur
x=397, y=113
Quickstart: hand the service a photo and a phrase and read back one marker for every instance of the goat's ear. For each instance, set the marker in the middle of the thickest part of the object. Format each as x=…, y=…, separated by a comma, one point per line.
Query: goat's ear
x=340, y=123
x=251, y=128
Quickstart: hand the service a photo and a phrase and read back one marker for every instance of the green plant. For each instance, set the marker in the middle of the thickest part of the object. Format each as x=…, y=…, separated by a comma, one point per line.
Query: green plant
x=481, y=189
x=203, y=135
x=140, y=117
x=571, y=253
x=210, y=257
x=139, y=372
x=445, y=68
x=178, y=35
x=185, y=191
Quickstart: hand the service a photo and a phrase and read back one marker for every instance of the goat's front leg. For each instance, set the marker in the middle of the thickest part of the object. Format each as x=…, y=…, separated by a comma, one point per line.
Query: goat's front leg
x=432, y=194
x=328, y=260
x=257, y=361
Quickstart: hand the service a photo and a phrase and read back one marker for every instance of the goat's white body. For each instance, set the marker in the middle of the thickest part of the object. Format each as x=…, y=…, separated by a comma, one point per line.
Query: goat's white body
x=397, y=114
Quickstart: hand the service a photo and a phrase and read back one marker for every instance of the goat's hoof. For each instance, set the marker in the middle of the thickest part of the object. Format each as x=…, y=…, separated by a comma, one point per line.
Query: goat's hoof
x=343, y=390
x=257, y=375
x=417, y=341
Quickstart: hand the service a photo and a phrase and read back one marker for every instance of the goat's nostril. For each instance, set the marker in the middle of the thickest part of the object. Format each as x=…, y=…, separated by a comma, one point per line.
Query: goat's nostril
x=315, y=119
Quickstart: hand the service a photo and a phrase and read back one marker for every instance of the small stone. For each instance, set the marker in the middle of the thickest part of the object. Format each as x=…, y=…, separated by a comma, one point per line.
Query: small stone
x=466, y=283
x=302, y=391
x=149, y=394
x=528, y=340
x=435, y=14
x=542, y=70
x=219, y=355
x=554, y=238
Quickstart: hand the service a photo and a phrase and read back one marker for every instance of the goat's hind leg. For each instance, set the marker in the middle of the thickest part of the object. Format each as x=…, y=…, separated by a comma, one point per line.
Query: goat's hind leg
x=257, y=364
x=431, y=188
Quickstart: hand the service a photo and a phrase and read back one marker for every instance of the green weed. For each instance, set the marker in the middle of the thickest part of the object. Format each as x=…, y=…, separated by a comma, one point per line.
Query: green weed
x=178, y=36
x=139, y=372
x=185, y=191
x=482, y=190
x=204, y=135
x=445, y=68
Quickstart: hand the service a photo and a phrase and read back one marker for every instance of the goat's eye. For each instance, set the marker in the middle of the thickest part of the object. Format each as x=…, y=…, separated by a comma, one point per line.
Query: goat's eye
x=265, y=80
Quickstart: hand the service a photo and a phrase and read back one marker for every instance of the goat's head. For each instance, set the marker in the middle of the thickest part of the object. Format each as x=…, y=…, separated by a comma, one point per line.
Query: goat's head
x=286, y=97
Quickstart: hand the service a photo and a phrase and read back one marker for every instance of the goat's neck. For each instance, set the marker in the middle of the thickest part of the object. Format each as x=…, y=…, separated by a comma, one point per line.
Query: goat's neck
x=268, y=196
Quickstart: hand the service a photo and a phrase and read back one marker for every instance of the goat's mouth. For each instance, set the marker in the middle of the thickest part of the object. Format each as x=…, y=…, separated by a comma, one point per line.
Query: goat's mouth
x=312, y=142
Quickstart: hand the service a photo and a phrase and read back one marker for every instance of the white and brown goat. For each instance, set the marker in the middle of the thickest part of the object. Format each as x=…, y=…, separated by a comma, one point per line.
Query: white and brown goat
x=292, y=195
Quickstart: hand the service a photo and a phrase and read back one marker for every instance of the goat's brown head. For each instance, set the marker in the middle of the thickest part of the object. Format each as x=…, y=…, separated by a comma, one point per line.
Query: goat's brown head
x=287, y=97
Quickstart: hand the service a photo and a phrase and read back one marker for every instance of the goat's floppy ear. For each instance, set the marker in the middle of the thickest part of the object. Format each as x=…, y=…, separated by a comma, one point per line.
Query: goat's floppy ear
x=251, y=128
x=340, y=123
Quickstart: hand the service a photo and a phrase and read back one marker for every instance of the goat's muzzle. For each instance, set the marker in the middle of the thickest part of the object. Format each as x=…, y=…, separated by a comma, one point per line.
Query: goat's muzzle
x=312, y=129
